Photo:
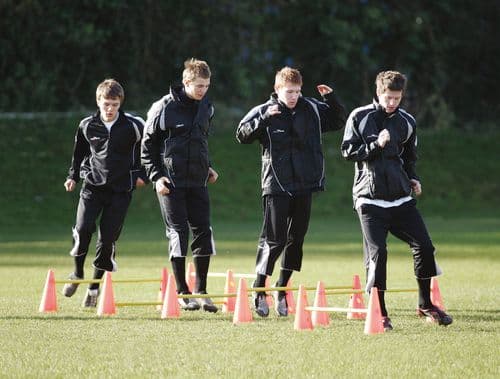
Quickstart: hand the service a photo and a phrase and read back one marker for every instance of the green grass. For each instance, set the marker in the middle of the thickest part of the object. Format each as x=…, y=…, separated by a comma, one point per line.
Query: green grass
x=136, y=343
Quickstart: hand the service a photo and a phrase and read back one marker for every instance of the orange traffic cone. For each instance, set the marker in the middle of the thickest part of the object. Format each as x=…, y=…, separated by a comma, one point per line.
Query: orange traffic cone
x=373, y=323
x=107, y=300
x=229, y=288
x=163, y=287
x=49, y=299
x=269, y=296
x=290, y=301
x=436, y=298
x=318, y=317
x=242, y=311
x=171, y=308
x=302, y=317
x=356, y=301
x=190, y=276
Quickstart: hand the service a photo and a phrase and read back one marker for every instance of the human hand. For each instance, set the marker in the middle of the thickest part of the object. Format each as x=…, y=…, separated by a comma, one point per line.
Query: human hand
x=272, y=110
x=161, y=186
x=70, y=185
x=323, y=89
x=383, y=138
x=416, y=187
x=212, y=175
x=139, y=182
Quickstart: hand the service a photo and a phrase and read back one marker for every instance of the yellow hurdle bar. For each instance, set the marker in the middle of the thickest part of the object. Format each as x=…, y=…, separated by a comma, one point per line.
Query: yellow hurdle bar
x=264, y=289
x=88, y=281
x=149, y=303
x=400, y=290
x=333, y=309
x=335, y=292
x=223, y=275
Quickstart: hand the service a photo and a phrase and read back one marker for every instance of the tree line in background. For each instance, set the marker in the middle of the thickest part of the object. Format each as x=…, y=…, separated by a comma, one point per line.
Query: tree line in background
x=54, y=52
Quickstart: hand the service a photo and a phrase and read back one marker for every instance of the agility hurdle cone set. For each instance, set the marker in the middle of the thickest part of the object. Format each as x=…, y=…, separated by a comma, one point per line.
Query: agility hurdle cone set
x=107, y=304
x=236, y=300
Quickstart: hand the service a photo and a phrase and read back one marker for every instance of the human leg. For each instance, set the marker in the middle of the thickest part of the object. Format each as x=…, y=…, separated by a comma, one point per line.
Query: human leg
x=174, y=213
x=409, y=226
x=411, y=229
x=110, y=226
x=203, y=246
x=89, y=207
x=374, y=226
x=299, y=213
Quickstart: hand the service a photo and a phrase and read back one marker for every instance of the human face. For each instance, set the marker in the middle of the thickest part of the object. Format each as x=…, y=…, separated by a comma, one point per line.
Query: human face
x=109, y=108
x=389, y=100
x=197, y=88
x=288, y=94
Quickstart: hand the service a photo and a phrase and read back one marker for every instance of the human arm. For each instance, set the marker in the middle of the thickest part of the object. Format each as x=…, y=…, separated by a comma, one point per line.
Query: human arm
x=138, y=172
x=81, y=149
x=409, y=157
x=332, y=112
x=253, y=125
x=150, y=145
x=355, y=147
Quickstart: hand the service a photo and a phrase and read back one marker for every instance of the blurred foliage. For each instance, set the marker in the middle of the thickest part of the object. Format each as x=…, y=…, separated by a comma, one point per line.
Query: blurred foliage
x=54, y=53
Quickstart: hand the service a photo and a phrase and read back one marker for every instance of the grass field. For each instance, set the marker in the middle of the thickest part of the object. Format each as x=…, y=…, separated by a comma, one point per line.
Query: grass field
x=136, y=343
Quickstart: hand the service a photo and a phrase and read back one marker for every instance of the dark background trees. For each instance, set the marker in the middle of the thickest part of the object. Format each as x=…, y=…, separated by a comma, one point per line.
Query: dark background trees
x=53, y=53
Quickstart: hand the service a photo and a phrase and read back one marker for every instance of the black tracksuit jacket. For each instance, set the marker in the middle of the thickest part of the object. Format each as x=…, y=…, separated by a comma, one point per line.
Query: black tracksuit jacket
x=111, y=159
x=381, y=173
x=175, y=142
x=292, y=156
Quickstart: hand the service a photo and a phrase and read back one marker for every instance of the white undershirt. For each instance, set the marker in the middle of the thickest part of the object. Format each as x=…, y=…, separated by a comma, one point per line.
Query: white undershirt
x=382, y=203
x=109, y=124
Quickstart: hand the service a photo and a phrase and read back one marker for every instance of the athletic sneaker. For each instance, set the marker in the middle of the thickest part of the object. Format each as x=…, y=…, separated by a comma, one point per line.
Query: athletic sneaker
x=90, y=299
x=386, y=321
x=434, y=314
x=207, y=305
x=69, y=289
x=261, y=307
x=280, y=305
x=188, y=304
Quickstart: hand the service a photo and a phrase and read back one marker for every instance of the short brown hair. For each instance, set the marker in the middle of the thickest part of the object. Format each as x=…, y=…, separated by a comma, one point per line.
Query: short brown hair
x=287, y=74
x=195, y=68
x=110, y=89
x=390, y=80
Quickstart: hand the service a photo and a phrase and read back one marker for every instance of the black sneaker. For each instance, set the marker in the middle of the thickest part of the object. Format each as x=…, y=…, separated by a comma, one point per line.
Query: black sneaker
x=69, y=289
x=280, y=305
x=207, y=305
x=188, y=304
x=386, y=321
x=90, y=299
x=434, y=314
x=261, y=307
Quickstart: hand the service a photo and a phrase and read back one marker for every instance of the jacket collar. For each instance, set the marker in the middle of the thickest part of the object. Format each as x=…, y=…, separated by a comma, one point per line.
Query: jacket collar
x=379, y=108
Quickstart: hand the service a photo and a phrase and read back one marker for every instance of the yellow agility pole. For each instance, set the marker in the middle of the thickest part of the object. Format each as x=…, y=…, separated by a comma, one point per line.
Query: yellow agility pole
x=223, y=275
x=264, y=289
x=88, y=281
x=334, y=309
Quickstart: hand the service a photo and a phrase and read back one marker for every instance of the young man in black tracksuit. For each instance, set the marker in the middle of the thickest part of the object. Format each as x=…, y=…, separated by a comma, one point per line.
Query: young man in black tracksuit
x=175, y=155
x=106, y=156
x=381, y=139
x=289, y=129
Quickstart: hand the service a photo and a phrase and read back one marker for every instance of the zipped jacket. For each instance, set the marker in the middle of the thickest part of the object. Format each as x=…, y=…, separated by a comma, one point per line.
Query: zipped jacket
x=108, y=158
x=381, y=173
x=175, y=142
x=292, y=156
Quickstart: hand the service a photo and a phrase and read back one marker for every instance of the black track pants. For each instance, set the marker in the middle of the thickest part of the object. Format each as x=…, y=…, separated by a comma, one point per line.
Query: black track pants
x=286, y=219
x=112, y=208
x=182, y=209
x=405, y=223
